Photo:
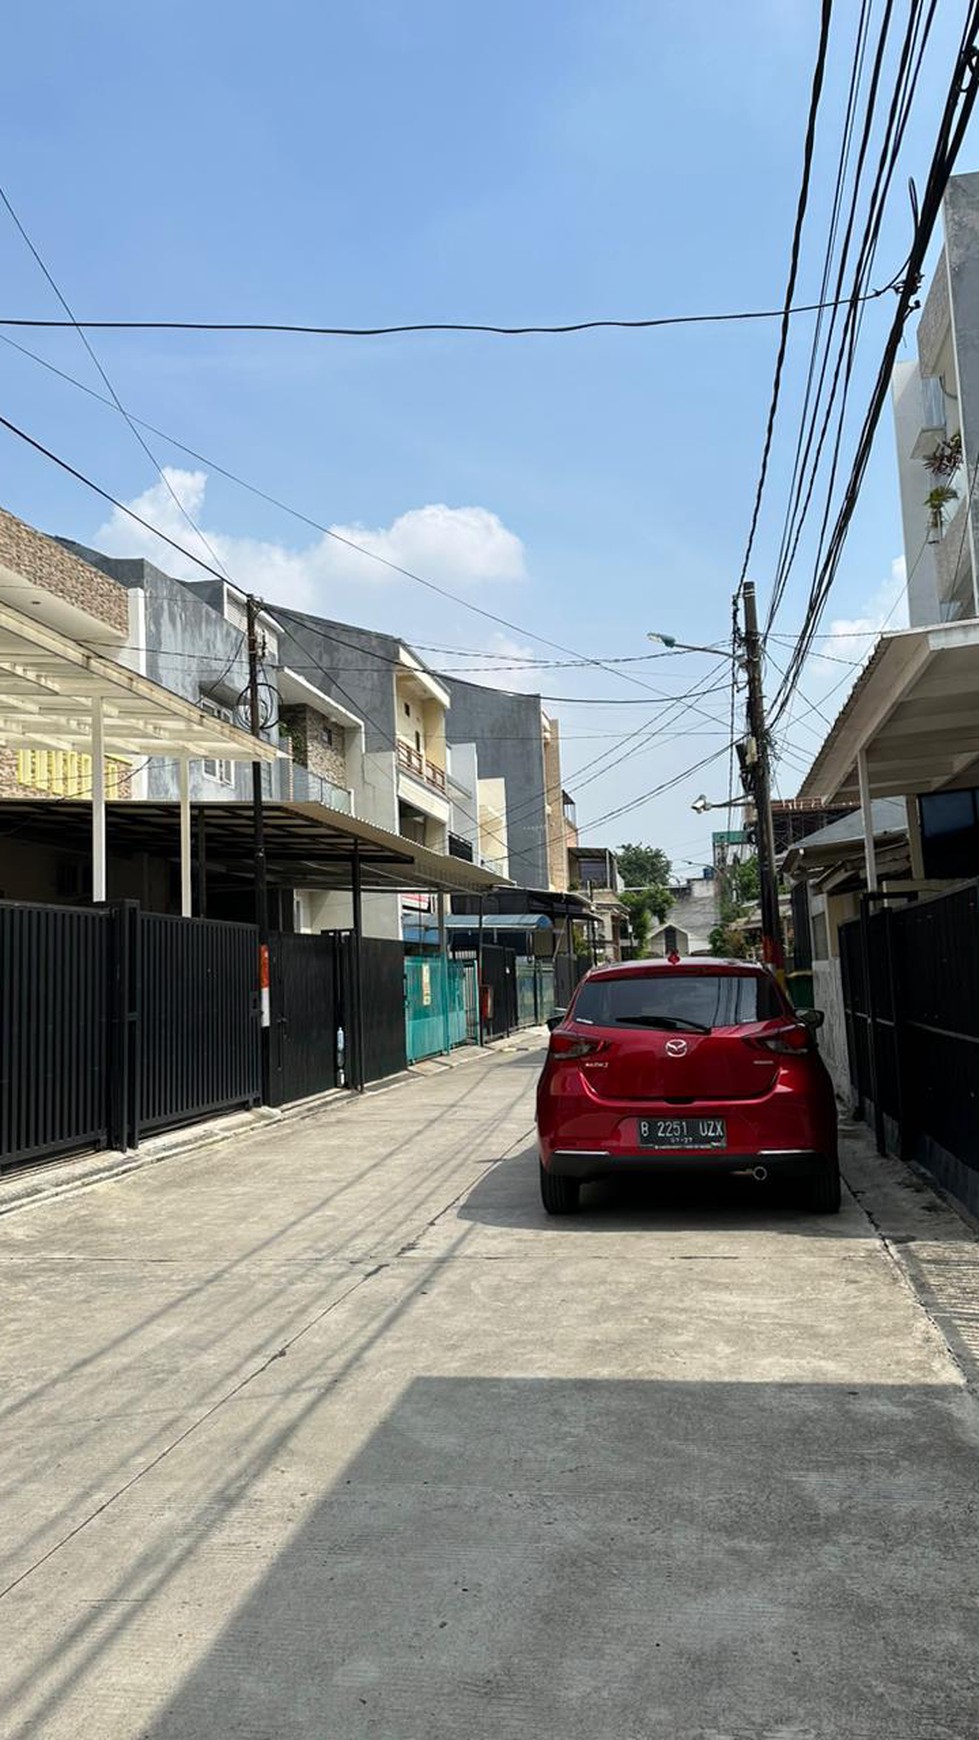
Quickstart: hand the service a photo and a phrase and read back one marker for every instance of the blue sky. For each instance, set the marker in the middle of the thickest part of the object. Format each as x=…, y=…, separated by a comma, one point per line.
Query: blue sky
x=383, y=162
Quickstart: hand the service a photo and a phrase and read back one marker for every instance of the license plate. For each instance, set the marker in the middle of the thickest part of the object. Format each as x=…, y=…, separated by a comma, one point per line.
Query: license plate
x=668, y=1133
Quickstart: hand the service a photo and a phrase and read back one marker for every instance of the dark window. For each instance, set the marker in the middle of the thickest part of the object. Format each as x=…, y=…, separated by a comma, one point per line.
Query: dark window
x=950, y=834
x=407, y=710
x=326, y=735
x=418, y=741
x=709, y=999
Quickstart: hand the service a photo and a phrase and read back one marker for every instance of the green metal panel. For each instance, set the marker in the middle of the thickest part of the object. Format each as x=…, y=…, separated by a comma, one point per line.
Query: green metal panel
x=435, y=1006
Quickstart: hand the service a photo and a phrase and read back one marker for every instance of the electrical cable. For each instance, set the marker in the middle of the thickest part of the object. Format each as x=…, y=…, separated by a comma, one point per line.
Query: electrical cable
x=253, y=326
x=396, y=567
x=909, y=71
x=803, y=200
x=117, y=402
x=958, y=108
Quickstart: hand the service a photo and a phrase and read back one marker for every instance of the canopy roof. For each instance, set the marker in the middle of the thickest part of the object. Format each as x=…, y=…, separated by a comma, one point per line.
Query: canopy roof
x=51, y=688
x=306, y=844
x=913, y=712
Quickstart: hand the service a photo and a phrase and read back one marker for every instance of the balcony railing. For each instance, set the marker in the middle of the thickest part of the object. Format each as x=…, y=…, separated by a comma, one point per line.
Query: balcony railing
x=312, y=788
x=414, y=762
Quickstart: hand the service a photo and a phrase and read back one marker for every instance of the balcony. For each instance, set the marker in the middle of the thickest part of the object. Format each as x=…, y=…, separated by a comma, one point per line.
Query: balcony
x=312, y=788
x=412, y=761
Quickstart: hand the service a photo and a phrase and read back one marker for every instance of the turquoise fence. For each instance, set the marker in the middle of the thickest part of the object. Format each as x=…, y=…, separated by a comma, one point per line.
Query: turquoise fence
x=440, y=1005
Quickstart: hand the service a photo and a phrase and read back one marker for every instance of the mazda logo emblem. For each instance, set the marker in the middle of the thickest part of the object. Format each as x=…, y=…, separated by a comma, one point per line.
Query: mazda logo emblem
x=676, y=1048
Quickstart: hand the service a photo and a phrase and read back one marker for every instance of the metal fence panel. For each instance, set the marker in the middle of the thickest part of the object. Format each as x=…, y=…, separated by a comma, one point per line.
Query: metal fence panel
x=55, y=1011
x=199, y=1019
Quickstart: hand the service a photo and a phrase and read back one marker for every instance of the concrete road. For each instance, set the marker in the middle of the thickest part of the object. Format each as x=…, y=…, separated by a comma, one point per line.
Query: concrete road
x=327, y=1432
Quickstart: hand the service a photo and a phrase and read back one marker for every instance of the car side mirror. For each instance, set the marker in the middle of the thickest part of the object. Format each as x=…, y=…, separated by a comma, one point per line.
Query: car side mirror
x=555, y=1019
x=812, y=1018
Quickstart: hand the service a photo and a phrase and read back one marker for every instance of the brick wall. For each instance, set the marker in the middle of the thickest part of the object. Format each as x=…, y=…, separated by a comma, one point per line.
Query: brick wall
x=54, y=570
x=309, y=748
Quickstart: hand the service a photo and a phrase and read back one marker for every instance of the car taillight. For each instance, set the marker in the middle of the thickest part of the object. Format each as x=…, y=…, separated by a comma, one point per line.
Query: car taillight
x=785, y=1041
x=569, y=1045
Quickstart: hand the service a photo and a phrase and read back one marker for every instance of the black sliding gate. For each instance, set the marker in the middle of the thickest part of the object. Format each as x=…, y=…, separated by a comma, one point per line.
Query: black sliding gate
x=911, y=1001
x=316, y=1035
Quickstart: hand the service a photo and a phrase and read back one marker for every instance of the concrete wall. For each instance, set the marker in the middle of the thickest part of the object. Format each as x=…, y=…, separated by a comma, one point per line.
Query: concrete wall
x=961, y=214
x=907, y=404
x=506, y=730
x=354, y=665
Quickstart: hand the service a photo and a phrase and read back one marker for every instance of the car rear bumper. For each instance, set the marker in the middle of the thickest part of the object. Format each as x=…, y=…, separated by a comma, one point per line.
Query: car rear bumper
x=589, y=1164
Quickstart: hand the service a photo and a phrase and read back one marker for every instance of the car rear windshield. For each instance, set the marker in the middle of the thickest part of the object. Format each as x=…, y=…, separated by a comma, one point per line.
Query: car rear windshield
x=702, y=999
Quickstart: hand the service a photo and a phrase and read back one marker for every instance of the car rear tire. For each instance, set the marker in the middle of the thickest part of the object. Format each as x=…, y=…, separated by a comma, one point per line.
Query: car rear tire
x=822, y=1191
x=559, y=1195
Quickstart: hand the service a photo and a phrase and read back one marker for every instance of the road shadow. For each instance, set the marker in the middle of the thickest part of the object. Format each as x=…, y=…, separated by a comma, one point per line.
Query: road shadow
x=568, y=1559
x=508, y=1195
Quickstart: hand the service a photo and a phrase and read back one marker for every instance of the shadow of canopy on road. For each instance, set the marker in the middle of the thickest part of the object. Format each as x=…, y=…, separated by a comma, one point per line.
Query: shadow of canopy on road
x=508, y=1195
x=570, y=1559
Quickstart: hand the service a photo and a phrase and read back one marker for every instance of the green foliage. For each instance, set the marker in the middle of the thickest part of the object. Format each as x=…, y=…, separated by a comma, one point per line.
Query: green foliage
x=645, y=873
x=643, y=866
x=740, y=889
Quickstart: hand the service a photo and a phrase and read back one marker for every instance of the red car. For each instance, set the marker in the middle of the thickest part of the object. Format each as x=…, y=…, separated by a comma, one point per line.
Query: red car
x=685, y=1064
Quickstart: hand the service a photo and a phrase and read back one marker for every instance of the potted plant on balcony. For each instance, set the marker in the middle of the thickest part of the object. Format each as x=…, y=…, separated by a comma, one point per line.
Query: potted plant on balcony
x=937, y=501
x=944, y=459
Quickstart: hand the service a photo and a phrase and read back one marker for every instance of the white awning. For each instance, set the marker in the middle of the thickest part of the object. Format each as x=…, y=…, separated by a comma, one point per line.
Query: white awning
x=912, y=720
x=54, y=693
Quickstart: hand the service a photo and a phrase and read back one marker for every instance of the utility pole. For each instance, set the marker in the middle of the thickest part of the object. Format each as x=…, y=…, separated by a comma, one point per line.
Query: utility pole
x=252, y=607
x=771, y=918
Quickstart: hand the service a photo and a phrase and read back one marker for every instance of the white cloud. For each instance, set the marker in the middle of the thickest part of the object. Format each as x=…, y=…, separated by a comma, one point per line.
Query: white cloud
x=460, y=548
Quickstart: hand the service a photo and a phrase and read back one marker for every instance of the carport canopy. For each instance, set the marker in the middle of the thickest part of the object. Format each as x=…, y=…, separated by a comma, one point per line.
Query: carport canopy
x=913, y=716
x=57, y=695
x=909, y=727
x=306, y=844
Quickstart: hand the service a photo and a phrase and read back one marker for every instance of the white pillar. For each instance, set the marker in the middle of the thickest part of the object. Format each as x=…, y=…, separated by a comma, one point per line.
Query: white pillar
x=186, y=897
x=98, y=801
x=870, y=855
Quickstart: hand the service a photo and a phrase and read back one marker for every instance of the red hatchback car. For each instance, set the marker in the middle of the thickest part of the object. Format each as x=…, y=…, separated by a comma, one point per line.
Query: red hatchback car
x=685, y=1064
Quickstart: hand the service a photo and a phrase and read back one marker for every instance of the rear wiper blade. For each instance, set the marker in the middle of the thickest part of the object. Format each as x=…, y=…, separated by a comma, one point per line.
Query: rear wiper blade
x=672, y=1022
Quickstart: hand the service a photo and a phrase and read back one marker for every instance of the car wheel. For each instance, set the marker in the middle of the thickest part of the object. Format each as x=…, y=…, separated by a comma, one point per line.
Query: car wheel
x=822, y=1191
x=559, y=1195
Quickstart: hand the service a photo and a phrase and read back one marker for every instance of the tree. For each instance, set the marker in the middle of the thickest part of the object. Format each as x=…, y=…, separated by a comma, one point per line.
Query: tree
x=643, y=866
x=740, y=889
x=645, y=873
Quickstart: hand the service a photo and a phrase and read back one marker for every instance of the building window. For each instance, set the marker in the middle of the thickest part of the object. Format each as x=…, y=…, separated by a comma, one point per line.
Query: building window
x=418, y=741
x=219, y=769
x=326, y=736
x=407, y=710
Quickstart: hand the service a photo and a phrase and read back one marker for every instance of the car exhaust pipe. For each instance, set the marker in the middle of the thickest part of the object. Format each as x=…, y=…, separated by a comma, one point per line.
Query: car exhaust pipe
x=760, y=1173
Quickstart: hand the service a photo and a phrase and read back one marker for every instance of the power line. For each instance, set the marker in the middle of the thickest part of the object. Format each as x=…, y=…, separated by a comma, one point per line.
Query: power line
x=396, y=567
x=657, y=791
x=117, y=402
x=803, y=200
x=559, y=330
x=909, y=68
x=959, y=104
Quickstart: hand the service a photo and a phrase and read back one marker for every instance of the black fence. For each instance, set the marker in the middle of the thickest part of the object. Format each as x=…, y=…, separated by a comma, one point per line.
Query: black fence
x=911, y=999
x=115, y=1023
x=56, y=1039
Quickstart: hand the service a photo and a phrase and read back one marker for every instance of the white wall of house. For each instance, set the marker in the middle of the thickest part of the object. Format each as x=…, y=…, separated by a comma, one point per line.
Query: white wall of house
x=827, y=987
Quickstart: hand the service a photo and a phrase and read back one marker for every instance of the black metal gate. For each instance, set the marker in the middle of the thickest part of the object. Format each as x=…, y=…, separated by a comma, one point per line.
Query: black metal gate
x=499, y=966
x=197, y=1018
x=305, y=1016
x=382, y=963
x=911, y=999
x=56, y=981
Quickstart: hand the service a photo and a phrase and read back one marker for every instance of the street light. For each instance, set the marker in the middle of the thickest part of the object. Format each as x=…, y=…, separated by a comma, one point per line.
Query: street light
x=702, y=804
x=674, y=645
